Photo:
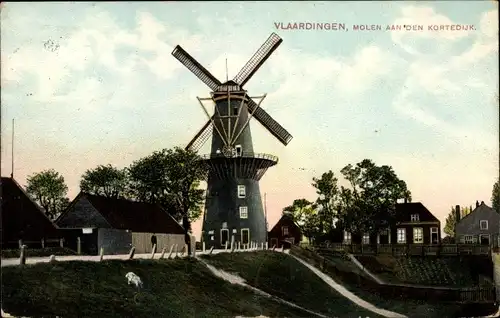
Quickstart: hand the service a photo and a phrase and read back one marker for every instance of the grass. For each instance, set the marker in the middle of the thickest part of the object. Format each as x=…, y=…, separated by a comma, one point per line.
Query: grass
x=428, y=270
x=283, y=276
x=40, y=252
x=409, y=307
x=172, y=288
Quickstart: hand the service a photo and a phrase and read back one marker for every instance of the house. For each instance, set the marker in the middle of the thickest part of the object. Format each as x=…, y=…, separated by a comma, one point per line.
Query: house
x=414, y=224
x=23, y=219
x=118, y=224
x=481, y=226
x=285, y=232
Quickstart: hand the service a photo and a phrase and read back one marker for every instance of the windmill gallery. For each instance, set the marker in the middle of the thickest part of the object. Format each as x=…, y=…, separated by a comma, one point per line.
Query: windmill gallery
x=233, y=207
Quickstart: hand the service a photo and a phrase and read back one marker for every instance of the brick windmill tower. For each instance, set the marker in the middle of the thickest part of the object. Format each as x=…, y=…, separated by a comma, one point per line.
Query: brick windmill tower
x=234, y=205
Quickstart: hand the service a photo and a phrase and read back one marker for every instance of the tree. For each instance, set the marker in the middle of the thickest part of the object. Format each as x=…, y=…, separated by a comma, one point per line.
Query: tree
x=495, y=197
x=451, y=220
x=49, y=190
x=369, y=205
x=103, y=180
x=171, y=177
x=305, y=214
x=327, y=201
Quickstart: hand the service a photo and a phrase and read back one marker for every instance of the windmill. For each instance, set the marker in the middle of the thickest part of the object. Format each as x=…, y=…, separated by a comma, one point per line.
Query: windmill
x=233, y=206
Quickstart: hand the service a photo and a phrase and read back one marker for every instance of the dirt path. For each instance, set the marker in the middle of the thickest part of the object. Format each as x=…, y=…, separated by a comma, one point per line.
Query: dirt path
x=234, y=279
x=355, y=299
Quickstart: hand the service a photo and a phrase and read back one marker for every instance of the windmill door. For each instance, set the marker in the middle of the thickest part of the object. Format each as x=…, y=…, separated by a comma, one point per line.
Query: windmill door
x=245, y=236
x=224, y=236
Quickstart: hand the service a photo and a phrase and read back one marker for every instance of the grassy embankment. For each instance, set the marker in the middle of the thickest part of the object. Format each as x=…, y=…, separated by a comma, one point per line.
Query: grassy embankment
x=172, y=288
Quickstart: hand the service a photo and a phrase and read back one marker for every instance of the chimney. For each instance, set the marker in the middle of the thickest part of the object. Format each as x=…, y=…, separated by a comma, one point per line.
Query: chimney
x=482, y=202
x=457, y=212
x=477, y=203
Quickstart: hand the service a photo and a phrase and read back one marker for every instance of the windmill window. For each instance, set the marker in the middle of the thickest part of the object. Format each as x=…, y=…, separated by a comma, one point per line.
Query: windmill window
x=414, y=218
x=238, y=150
x=235, y=110
x=243, y=212
x=241, y=191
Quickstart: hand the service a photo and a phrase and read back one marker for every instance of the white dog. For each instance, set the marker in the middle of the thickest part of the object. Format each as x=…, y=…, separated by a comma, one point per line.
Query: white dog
x=134, y=279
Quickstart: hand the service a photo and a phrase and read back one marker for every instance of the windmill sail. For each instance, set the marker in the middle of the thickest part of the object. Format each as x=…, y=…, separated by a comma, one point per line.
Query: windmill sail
x=267, y=121
x=202, y=73
x=201, y=137
x=258, y=59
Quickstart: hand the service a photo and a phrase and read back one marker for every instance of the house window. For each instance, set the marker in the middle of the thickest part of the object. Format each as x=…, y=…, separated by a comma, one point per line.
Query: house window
x=366, y=238
x=284, y=229
x=483, y=224
x=401, y=235
x=347, y=237
x=243, y=212
x=468, y=239
x=434, y=235
x=235, y=231
x=414, y=218
x=241, y=191
x=418, y=235
x=245, y=236
x=212, y=238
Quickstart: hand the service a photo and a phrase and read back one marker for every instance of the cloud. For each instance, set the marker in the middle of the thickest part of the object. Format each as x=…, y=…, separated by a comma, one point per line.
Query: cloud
x=423, y=16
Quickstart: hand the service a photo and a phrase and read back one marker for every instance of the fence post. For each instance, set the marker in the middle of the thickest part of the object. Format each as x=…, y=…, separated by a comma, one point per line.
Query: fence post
x=61, y=242
x=153, y=251
x=266, y=245
x=20, y=242
x=232, y=243
x=131, y=253
x=78, y=245
x=163, y=250
x=203, y=247
x=171, y=251
x=22, y=255
x=43, y=243
x=101, y=256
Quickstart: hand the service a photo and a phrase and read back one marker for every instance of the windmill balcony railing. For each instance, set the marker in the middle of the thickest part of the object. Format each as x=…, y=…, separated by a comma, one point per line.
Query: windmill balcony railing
x=252, y=155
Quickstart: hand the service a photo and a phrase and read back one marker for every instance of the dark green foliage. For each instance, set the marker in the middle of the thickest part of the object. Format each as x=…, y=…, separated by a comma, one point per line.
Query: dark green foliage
x=105, y=181
x=49, y=190
x=495, y=197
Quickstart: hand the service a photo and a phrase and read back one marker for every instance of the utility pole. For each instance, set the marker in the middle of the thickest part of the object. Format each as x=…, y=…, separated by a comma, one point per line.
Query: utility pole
x=12, y=149
x=265, y=213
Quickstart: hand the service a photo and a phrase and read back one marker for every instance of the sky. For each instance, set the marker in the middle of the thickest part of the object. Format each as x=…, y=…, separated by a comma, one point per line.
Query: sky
x=95, y=83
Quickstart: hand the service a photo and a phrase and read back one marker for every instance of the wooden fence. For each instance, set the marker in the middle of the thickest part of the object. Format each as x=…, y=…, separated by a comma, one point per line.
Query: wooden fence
x=483, y=295
x=409, y=249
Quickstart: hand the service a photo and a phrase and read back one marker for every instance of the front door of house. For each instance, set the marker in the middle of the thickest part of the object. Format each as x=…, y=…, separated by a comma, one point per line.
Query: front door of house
x=485, y=239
